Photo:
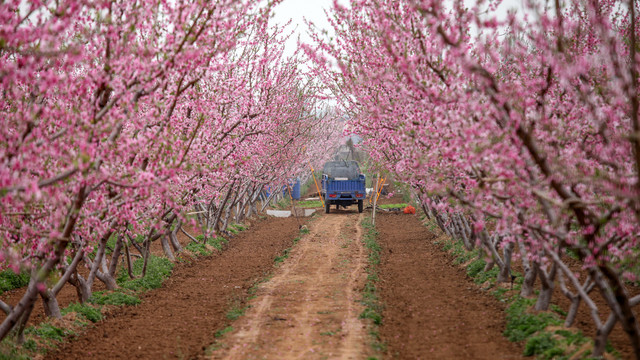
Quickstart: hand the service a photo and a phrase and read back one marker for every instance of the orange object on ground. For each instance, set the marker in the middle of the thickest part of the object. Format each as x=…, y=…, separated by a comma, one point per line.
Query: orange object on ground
x=409, y=210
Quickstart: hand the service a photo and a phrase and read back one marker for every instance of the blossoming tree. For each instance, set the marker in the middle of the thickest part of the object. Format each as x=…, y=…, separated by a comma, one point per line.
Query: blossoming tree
x=529, y=124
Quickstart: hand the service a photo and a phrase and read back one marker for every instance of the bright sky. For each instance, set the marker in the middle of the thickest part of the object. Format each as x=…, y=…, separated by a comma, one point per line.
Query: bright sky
x=313, y=10
x=297, y=11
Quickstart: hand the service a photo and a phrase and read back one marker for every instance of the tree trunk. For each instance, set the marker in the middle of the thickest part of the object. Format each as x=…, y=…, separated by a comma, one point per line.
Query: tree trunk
x=530, y=272
x=173, y=237
x=86, y=286
x=50, y=303
x=83, y=291
x=220, y=209
x=245, y=202
x=115, y=257
x=108, y=280
x=227, y=214
x=199, y=215
x=128, y=261
x=166, y=247
x=628, y=318
x=573, y=311
x=445, y=224
x=254, y=200
x=490, y=243
x=147, y=254
x=602, y=334
x=22, y=324
x=267, y=201
x=544, y=298
x=546, y=290
x=140, y=249
x=241, y=200
x=505, y=270
x=425, y=206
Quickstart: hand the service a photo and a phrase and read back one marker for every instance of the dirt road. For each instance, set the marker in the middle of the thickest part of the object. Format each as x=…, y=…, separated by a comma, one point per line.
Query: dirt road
x=310, y=308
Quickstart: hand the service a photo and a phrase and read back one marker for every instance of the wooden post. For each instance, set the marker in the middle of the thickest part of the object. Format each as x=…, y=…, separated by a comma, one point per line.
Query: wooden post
x=313, y=174
x=375, y=201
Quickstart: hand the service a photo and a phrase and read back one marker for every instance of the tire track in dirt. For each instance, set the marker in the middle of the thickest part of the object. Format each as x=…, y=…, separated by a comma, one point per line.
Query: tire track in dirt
x=309, y=309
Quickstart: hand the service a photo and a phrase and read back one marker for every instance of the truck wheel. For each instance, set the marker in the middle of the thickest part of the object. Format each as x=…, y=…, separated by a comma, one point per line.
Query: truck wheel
x=326, y=206
x=360, y=206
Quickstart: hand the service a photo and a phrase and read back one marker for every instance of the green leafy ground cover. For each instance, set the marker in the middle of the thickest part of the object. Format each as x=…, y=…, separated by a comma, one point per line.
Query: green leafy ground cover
x=393, y=206
x=9, y=280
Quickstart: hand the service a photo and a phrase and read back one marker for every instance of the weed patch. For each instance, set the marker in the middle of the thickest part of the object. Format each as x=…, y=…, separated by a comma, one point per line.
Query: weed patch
x=236, y=227
x=283, y=204
x=310, y=204
x=87, y=311
x=220, y=333
x=373, y=308
x=120, y=297
x=521, y=324
x=217, y=242
x=198, y=248
x=543, y=344
x=235, y=313
x=48, y=332
x=393, y=206
x=158, y=269
x=281, y=258
x=10, y=280
x=12, y=352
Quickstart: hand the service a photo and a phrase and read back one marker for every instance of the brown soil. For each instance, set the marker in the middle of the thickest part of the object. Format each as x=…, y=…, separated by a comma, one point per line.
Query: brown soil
x=68, y=293
x=180, y=319
x=310, y=308
x=431, y=309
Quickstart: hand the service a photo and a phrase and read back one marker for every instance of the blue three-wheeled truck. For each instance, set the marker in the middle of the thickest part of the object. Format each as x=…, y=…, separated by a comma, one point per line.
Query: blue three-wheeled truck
x=343, y=184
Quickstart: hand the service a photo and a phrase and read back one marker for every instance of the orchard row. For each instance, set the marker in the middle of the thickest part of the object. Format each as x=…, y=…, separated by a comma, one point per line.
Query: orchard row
x=126, y=119
x=515, y=132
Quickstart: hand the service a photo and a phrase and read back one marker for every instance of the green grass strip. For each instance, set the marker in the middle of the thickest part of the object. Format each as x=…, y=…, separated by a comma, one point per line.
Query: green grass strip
x=373, y=308
x=310, y=204
x=393, y=206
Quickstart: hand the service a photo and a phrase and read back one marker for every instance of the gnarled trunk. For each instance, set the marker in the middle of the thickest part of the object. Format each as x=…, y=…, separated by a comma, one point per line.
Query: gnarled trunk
x=530, y=272
x=547, y=281
x=505, y=271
